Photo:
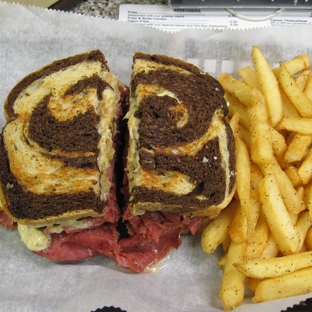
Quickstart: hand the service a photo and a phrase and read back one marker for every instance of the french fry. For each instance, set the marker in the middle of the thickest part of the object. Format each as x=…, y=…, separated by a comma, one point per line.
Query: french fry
x=296, y=65
x=226, y=242
x=308, y=239
x=255, y=209
x=238, y=225
x=253, y=284
x=249, y=76
x=222, y=261
x=255, y=176
x=278, y=143
x=234, y=122
x=309, y=203
x=302, y=79
x=217, y=230
x=288, y=107
x=292, y=200
x=237, y=107
x=305, y=170
x=244, y=134
x=307, y=194
x=300, y=191
x=247, y=95
x=300, y=125
x=292, y=174
x=258, y=241
x=243, y=181
x=261, y=148
x=271, y=250
x=274, y=267
x=268, y=85
x=297, y=97
x=292, y=284
x=308, y=89
x=279, y=221
x=298, y=147
x=303, y=225
x=233, y=282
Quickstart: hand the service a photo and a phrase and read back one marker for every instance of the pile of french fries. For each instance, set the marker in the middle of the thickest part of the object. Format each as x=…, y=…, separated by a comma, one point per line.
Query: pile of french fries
x=266, y=231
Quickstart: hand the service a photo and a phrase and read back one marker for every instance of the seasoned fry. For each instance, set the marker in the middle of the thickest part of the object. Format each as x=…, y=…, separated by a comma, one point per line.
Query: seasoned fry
x=292, y=174
x=237, y=88
x=253, y=284
x=279, y=221
x=271, y=250
x=296, y=65
x=248, y=95
x=302, y=79
x=300, y=125
x=222, y=261
x=237, y=107
x=233, y=282
x=288, y=107
x=308, y=239
x=303, y=225
x=292, y=200
x=216, y=231
x=305, y=170
x=243, y=181
x=226, y=243
x=238, y=225
x=273, y=267
x=244, y=134
x=268, y=85
x=278, y=143
x=259, y=240
x=298, y=147
x=255, y=175
x=261, y=141
x=308, y=89
x=234, y=122
x=292, y=284
x=298, y=97
x=309, y=204
x=249, y=76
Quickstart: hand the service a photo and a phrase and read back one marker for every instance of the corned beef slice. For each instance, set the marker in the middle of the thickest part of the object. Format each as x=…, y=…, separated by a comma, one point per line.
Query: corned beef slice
x=6, y=221
x=150, y=238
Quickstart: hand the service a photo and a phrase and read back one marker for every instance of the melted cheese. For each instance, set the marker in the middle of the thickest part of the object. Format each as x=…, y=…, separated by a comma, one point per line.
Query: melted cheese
x=33, y=238
x=36, y=240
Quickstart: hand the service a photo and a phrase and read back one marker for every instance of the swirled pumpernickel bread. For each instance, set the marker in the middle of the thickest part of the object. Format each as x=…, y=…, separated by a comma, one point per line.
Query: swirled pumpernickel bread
x=180, y=155
x=58, y=147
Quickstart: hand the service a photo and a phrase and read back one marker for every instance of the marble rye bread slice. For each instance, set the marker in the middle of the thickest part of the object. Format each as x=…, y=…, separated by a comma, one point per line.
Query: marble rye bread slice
x=59, y=144
x=180, y=156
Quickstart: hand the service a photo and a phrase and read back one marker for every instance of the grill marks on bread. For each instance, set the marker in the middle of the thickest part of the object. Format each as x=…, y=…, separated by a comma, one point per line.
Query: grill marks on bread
x=185, y=159
x=57, y=117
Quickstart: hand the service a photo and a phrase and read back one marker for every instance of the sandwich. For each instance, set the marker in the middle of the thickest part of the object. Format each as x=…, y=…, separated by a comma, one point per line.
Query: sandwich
x=180, y=157
x=88, y=169
x=179, y=154
x=58, y=151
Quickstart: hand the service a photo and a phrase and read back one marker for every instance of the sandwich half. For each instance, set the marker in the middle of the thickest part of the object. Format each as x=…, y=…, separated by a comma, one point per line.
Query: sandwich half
x=180, y=157
x=88, y=169
x=58, y=157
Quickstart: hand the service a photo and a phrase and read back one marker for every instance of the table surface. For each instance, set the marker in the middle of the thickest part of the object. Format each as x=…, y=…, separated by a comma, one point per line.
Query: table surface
x=108, y=8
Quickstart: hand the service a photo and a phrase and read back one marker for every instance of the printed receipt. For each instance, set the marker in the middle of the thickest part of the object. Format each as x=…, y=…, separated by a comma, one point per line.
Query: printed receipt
x=166, y=18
